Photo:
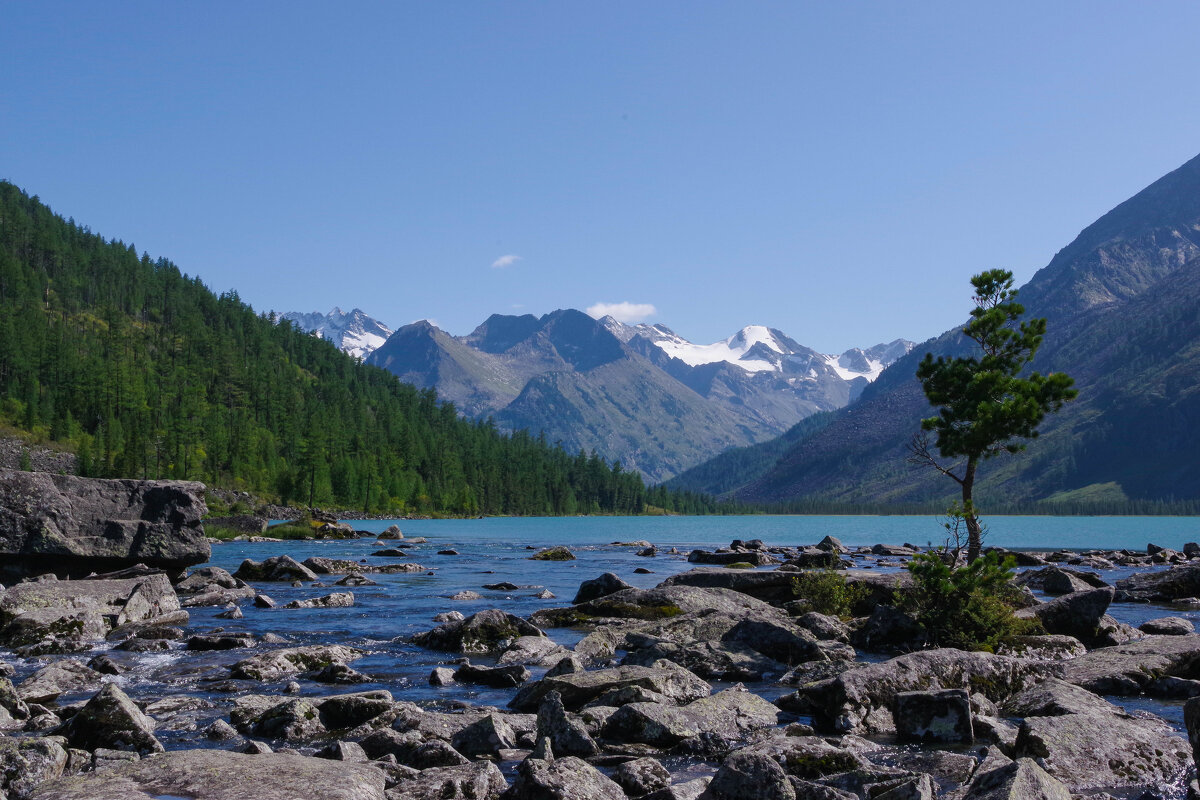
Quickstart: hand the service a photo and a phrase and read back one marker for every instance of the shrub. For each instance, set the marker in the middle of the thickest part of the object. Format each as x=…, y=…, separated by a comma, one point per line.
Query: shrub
x=970, y=607
x=828, y=593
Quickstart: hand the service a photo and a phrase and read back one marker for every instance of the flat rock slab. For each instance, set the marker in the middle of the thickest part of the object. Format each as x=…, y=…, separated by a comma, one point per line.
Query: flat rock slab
x=1128, y=669
x=84, y=609
x=72, y=525
x=221, y=775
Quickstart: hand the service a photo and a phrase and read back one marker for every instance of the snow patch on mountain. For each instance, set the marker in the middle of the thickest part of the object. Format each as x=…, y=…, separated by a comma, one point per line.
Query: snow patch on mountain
x=757, y=348
x=353, y=332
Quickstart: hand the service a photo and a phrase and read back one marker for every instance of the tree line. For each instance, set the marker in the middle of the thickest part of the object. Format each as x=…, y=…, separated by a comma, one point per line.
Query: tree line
x=145, y=372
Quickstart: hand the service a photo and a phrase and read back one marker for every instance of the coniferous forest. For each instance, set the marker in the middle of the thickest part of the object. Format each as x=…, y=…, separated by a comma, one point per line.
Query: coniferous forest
x=145, y=372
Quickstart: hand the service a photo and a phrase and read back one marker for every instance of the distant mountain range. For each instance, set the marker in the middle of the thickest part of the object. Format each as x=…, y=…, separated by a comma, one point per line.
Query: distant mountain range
x=641, y=394
x=1122, y=302
x=353, y=332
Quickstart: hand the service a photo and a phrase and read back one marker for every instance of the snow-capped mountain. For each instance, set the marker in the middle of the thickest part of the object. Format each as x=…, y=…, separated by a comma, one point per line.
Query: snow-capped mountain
x=757, y=348
x=640, y=394
x=354, y=332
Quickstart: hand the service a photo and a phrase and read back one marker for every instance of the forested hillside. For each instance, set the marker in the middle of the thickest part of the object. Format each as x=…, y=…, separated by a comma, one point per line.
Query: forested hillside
x=145, y=372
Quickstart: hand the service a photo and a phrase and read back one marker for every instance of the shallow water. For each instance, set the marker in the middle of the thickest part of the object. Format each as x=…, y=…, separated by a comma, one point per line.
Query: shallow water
x=496, y=550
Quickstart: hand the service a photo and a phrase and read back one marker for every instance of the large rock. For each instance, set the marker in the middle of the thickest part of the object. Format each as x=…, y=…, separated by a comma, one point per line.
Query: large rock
x=568, y=736
x=275, y=568
x=1170, y=584
x=57, y=677
x=1134, y=667
x=112, y=721
x=860, y=700
x=599, y=587
x=25, y=763
x=276, y=664
x=1056, y=581
x=1019, y=780
x=778, y=587
x=943, y=716
x=709, y=726
x=81, y=610
x=483, y=632
x=567, y=778
x=76, y=526
x=664, y=679
x=222, y=775
x=1077, y=614
x=1104, y=750
x=750, y=775
x=480, y=780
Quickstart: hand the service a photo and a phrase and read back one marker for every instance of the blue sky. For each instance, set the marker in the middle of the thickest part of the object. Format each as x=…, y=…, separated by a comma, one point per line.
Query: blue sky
x=835, y=170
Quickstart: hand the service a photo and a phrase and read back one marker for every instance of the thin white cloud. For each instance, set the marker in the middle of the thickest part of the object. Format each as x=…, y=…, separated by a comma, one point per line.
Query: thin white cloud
x=622, y=312
x=505, y=261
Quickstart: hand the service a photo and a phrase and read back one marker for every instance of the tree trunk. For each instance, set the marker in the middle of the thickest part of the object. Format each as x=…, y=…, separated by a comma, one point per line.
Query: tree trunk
x=974, y=532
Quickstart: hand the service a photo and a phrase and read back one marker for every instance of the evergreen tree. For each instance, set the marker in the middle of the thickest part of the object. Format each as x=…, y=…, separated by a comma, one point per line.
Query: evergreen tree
x=985, y=406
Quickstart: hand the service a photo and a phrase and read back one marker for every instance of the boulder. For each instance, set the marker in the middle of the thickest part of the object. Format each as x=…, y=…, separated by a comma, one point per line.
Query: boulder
x=558, y=553
x=203, y=579
x=889, y=630
x=606, y=584
x=83, y=610
x=483, y=632
x=75, y=526
x=1019, y=780
x=221, y=775
x=391, y=532
x=1168, y=626
x=1058, y=581
x=28, y=762
x=943, y=716
x=1054, y=697
x=566, y=778
x=642, y=776
x=750, y=775
x=221, y=641
x=709, y=726
x=755, y=558
x=275, y=568
x=816, y=558
x=536, y=650
x=1043, y=648
x=111, y=720
x=335, y=600
x=567, y=736
x=504, y=677
x=1191, y=721
x=276, y=664
x=776, y=587
x=860, y=700
x=57, y=677
x=480, y=780
x=664, y=679
x=1104, y=750
x=1162, y=585
x=1131, y=668
x=1077, y=614
x=485, y=737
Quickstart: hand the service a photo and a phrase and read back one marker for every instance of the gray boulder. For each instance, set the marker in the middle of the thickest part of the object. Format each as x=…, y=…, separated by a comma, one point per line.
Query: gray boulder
x=664, y=679
x=480, y=780
x=276, y=664
x=335, y=600
x=566, y=778
x=943, y=716
x=1078, y=614
x=860, y=700
x=568, y=736
x=28, y=762
x=533, y=650
x=1056, y=581
x=750, y=775
x=32, y=613
x=1168, y=626
x=1170, y=584
x=57, y=677
x=756, y=558
x=1133, y=667
x=486, y=736
x=275, y=568
x=76, y=526
x=709, y=726
x=599, y=587
x=111, y=720
x=1019, y=780
x=483, y=632
x=221, y=775
x=642, y=776
x=503, y=677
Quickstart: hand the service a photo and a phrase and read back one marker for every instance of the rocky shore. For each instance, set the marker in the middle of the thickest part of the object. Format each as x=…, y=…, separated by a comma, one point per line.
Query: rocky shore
x=718, y=683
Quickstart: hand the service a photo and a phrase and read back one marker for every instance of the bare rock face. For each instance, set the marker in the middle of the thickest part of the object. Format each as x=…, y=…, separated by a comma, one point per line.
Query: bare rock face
x=221, y=775
x=64, y=611
x=77, y=526
x=112, y=721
